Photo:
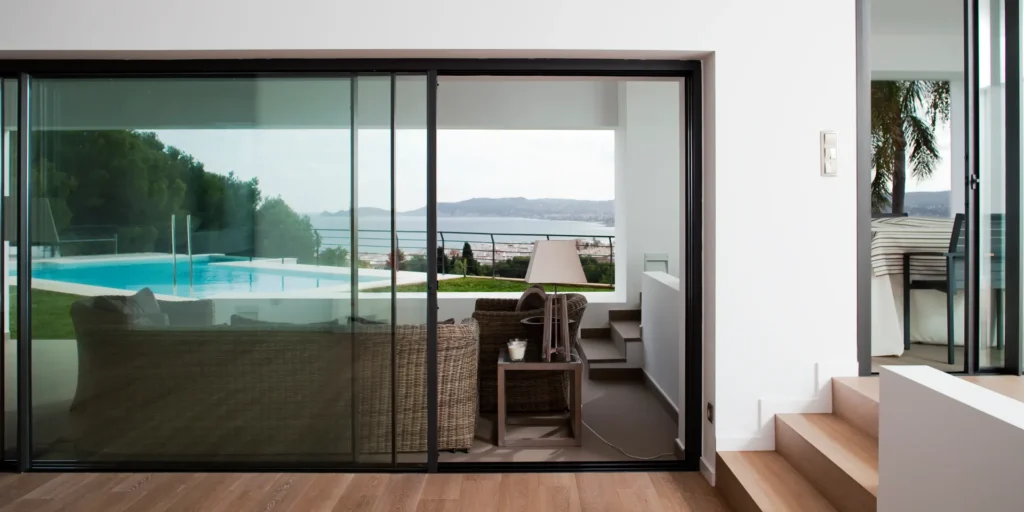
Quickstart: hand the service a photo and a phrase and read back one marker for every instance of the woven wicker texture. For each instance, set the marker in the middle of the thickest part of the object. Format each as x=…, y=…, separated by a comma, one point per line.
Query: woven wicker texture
x=220, y=392
x=525, y=391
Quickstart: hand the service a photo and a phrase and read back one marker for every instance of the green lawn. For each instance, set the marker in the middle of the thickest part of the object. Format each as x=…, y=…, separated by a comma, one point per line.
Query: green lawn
x=51, y=311
x=51, y=315
x=478, y=284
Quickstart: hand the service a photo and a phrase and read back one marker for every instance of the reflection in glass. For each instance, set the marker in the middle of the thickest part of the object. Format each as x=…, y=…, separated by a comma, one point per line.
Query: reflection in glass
x=186, y=306
x=8, y=219
x=992, y=176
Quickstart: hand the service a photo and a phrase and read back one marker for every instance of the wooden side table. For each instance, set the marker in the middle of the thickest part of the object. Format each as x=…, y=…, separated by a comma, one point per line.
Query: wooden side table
x=575, y=419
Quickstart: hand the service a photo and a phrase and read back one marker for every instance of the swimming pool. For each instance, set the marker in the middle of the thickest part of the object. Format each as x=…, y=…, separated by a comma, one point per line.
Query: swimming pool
x=211, y=275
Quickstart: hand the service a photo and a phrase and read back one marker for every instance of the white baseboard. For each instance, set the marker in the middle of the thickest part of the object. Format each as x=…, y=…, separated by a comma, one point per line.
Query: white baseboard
x=769, y=407
x=707, y=470
x=664, y=396
x=819, y=402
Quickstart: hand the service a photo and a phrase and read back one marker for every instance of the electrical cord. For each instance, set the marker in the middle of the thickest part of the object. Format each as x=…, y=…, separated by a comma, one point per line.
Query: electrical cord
x=609, y=443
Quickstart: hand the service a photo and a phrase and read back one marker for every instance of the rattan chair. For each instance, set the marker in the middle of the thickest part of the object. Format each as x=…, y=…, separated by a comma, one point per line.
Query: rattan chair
x=524, y=391
x=311, y=393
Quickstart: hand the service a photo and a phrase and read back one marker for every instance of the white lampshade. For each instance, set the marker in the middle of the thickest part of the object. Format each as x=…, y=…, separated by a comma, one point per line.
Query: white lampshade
x=555, y=262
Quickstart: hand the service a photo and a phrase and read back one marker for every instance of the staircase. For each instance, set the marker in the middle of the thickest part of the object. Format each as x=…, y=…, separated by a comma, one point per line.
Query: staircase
x=615, y=350
x=821, y=462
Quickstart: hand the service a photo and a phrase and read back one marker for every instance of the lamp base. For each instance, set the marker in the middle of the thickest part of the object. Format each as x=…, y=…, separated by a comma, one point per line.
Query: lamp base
x=555, y=344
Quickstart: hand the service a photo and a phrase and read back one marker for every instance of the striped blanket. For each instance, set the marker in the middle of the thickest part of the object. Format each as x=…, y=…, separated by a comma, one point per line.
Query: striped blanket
x=892, y=237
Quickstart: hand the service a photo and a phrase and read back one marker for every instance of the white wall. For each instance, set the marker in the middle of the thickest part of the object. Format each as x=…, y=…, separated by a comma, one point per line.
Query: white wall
x=662, y=343
x=946, y=444
x=781, y=304
x=707, y=459
x=648, y=171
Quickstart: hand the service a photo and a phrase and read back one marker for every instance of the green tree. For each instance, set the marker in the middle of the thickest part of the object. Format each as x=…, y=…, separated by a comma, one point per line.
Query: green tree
x=334, y=257
x=471, y=266
x=598, y=271
x=283, y=233
x=904, y=115
x=129, y=183
x=459, y=267
x=416, y=263
x=444, y=264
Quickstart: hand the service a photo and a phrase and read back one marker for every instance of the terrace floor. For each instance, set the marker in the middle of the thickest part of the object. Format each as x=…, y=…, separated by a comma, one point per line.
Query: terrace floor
x=936, y=357
x=612, y=409
x=85, y=492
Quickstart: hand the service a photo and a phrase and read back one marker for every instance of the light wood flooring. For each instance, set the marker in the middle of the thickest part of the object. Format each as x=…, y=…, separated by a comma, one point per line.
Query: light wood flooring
x=298, y=492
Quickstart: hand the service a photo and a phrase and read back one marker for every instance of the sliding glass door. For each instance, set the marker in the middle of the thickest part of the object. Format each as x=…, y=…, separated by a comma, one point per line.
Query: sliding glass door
x=993, y=188
x=214, y=264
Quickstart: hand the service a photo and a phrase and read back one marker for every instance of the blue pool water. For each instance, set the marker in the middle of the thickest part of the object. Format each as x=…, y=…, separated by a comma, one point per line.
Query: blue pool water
x=209, y=278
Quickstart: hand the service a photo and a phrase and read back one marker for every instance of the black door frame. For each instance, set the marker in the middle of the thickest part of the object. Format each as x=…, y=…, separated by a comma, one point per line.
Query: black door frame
x=1011, y=189
x=687, y=71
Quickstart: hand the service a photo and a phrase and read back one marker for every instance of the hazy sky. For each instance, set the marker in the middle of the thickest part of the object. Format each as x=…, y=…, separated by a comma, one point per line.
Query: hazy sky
x=310, y=168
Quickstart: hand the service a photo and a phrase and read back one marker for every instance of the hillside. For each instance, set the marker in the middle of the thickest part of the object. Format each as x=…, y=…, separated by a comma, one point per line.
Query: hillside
x=551, y=209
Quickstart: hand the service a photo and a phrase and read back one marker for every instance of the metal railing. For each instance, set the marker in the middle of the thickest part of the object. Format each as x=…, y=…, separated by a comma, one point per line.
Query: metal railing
x=416, y=242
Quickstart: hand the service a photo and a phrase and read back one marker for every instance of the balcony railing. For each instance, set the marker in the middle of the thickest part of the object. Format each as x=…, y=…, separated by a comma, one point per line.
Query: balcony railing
x=493, y=247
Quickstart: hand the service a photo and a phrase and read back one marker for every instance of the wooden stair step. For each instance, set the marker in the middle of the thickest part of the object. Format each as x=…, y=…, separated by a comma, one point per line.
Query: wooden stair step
x=627, y=330
x=600, y=350
x=855, y=400
x=840, y=460
x=616, y=315
x=764, y=481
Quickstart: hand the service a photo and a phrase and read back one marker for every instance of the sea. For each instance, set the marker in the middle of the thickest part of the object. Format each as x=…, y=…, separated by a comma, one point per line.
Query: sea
x=374, y=231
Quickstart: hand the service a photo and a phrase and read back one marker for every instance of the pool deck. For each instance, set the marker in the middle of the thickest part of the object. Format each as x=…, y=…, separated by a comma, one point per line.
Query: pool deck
x=329, y=292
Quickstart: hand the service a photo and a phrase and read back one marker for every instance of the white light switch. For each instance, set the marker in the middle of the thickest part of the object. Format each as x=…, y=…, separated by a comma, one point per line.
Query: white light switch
x=829, y=153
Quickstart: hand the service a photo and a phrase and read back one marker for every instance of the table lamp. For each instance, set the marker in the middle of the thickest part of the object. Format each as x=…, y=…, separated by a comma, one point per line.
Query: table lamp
x=555, y=262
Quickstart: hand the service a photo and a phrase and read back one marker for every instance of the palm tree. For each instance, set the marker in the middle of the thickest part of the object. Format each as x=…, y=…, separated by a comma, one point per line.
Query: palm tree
x=904, y=115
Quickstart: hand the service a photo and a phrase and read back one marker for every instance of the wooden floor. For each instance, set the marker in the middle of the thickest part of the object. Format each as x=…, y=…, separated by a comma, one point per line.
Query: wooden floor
x=298, y=492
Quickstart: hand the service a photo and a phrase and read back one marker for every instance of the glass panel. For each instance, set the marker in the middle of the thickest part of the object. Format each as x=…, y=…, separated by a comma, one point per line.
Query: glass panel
x=186, y=308
x=917, y=197
x=410, y=188
x=370, y=214
x=597, y=163
x=992, y=174
x=8, y=218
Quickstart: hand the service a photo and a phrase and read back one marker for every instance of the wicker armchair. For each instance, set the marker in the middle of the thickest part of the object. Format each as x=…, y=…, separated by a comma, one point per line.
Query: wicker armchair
x=312, y=393
x=524, y=391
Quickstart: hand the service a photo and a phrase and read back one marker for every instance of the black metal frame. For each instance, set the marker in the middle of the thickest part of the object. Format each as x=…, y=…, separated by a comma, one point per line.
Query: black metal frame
x=394, y=284
x=1012, y=363
x=972, y=312
x=1012, y=302
x=688, y=71
x=24, y=346
x=431, y=271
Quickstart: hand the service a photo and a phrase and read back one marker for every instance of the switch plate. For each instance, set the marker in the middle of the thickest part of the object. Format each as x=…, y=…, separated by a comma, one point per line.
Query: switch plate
x=829, y=153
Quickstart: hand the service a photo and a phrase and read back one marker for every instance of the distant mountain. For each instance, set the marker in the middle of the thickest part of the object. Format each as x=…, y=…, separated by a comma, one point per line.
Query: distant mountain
x=520, y=207
x=366, y=210
x=927, y=204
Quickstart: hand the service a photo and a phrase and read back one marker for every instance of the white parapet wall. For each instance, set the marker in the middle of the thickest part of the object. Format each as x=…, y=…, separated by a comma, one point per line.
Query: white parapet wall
x=661, y=341
x=946, y=444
